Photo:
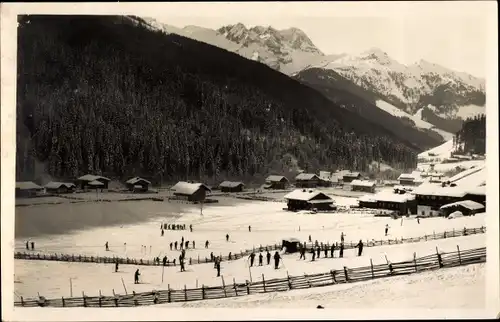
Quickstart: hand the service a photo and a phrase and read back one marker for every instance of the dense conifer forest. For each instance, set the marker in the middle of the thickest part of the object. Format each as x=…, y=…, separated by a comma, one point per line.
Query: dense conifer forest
x=107, y=95
x=472, y=137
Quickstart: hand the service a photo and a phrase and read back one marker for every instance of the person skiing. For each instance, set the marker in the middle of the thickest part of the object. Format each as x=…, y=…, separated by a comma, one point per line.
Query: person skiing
x=360, y=247
x=162, y=232
x=268, y=256
x=418, y=220
x=252, y=257
x=206, y=244
x=341, y=252
x=342, y=237
x=318, y=251
x=230, y=256
x=116, y=266
x=310, y=239
x=313, y=253
x=182, y=240
x=107, y=246
x=260, y=259
x=249, y=228
x=175, y=245
x=173, y=262
x=181, y=261
x=136, y=276
x=171, y=245
x=164, y=260
x=227, y=237
x=277, y=258
x=386, y=229
x=332, y=251
x=194, y=245
x=218, y=268
x=27, y=245
x=326, y=252
x=187, y=244
x=302, y=253
x=211, y=256
x=191, y=227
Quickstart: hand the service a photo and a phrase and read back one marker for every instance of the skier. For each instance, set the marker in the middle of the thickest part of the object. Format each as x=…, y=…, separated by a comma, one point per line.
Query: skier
x=182, y=240
x=342, y=237
x=173, y=262
x=218, y=269
x=191, y=228
x=268, y=255
x=260, y=259
x=175, y=245
x=302, y=253
x=181, y=261
x=211, y=256
x=252, y=257
x=164, y=260
x=230, y=256
x=136, y=276
x=277, y=258
x=313, y=253
x=162, y=232
x=27, y=245
x=187, y=244
x=418, y=220
x=249, y=228
x=107, y=246
x=227, y=237
x=332, y=251
x=116, y=266
x=341, y=252
x=194, y=245
x=206, y=244
x=360, y=247
x=310, y=239
x=326, y=252
x=171, y=245
x=386, y=229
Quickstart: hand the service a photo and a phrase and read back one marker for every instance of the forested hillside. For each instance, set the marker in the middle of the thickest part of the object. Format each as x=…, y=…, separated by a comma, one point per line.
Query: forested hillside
x=472, y=137
x=102, y=94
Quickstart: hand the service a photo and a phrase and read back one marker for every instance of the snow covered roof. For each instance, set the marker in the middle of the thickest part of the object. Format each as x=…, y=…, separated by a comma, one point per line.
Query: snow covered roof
x=305, y=195
x=306, y=176
x=469, y=204
x=275, y=178
x=430, y=189
x=471, y=178
x=231, y=184
x=57, y=185
x=27, y=185
x=406, y=176
x=367, y=198
x=363, y=183
x=135, y=180
x=187, y=188
x=91, y=177
x=352, y=174
x=481, y=191
x=95, y=183
x=388, y=196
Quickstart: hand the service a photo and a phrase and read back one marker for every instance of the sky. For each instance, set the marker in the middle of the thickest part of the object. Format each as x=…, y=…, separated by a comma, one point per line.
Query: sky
x=452, y=34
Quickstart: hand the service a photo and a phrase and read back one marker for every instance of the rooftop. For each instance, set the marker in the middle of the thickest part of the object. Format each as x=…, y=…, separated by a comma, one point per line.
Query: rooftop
x=135, y=180
x=91, y=177
x=231, y=184
x=275, y=178
x=363, y=183
x=469, y=204
x=188, y=188
x=305, y=195
x=27, y=185
x=57, y=185
x=306, y=176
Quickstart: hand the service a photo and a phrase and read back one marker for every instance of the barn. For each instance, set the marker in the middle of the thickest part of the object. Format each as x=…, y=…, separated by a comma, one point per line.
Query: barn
x=307, y=180
x=26, y=189
x=276, y=182
x=466, y=207
x=84, y=181
x=194, y=192
x=138, y=184
x=307, y=199
x=230, y=186
x=60, y=187
x=350, y=176
x=363, y=185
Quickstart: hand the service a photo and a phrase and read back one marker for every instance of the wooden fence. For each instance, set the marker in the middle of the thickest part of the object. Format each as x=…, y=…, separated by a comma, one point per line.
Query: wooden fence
x=345, y=275
x=241, y=254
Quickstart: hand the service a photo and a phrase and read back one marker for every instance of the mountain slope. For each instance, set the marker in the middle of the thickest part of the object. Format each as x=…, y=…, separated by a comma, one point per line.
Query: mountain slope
x=441, y=92
x=352, y=97
x=114, y=95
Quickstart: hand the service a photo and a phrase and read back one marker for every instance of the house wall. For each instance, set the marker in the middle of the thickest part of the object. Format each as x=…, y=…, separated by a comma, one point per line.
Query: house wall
x=367, y=204
x=281, y=185
x=298, y=205
x=232, y=189
x=350, y=179
x=105, y=182
x=198, y=196
x=406, y=182
x=363, y=188
x=307, y=183
x=427, y=211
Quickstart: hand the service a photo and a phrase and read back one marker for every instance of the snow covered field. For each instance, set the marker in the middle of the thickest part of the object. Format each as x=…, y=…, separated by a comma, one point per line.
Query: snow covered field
x=270, y=224
x=453, y=288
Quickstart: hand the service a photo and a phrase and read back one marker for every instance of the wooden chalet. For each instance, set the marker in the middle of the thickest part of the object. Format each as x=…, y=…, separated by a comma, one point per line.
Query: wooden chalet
x=88, y=181
x=138, y=184
x=307, y=180
x=466, y=207
x=276, y=182
x=26, y=189
x=60, y=187
x=406, y=179
x=230, y=186
x=307, y=199
x=194, y=192
x=363, y=185
x=350, y=176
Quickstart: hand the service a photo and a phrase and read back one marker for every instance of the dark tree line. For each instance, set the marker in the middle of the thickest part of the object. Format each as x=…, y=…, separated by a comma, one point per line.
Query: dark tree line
x=104, y=95
x=472, y=137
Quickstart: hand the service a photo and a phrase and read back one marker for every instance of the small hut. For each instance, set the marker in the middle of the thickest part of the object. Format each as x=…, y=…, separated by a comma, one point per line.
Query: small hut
x=307, y=180
x=303, y=199
x=350, y=176
x=230, y=186
x=276, y=182
x=194, y=192
x=138, y=184
x=26, y=189
x=60, y=187
x=291, y=245
x=363, y=185
x=84, y=181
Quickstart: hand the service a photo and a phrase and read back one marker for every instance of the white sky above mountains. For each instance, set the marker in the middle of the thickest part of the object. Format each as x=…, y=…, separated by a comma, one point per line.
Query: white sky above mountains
x=452, y=34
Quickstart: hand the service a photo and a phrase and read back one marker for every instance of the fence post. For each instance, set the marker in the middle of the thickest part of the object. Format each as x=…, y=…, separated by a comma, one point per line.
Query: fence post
x=185, y=293
x=371, y=265
x=264, y=283
x=459, y=257
x=235, y=288
x=415, y=261
x=169, y=297
x=434, y=234
x=22, y=301
x=453, y=232
x=332, y=272
x=62, y=298
x=248, y=287
x=203, y=291
x=440, y=261
x=346, y=276
x=100, y=299
x=84, y=300
x=223, y=285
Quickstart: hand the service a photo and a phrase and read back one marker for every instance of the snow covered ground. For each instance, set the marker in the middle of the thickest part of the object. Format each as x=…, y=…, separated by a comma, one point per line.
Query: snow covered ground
x=457, y=288
x=270, y=224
